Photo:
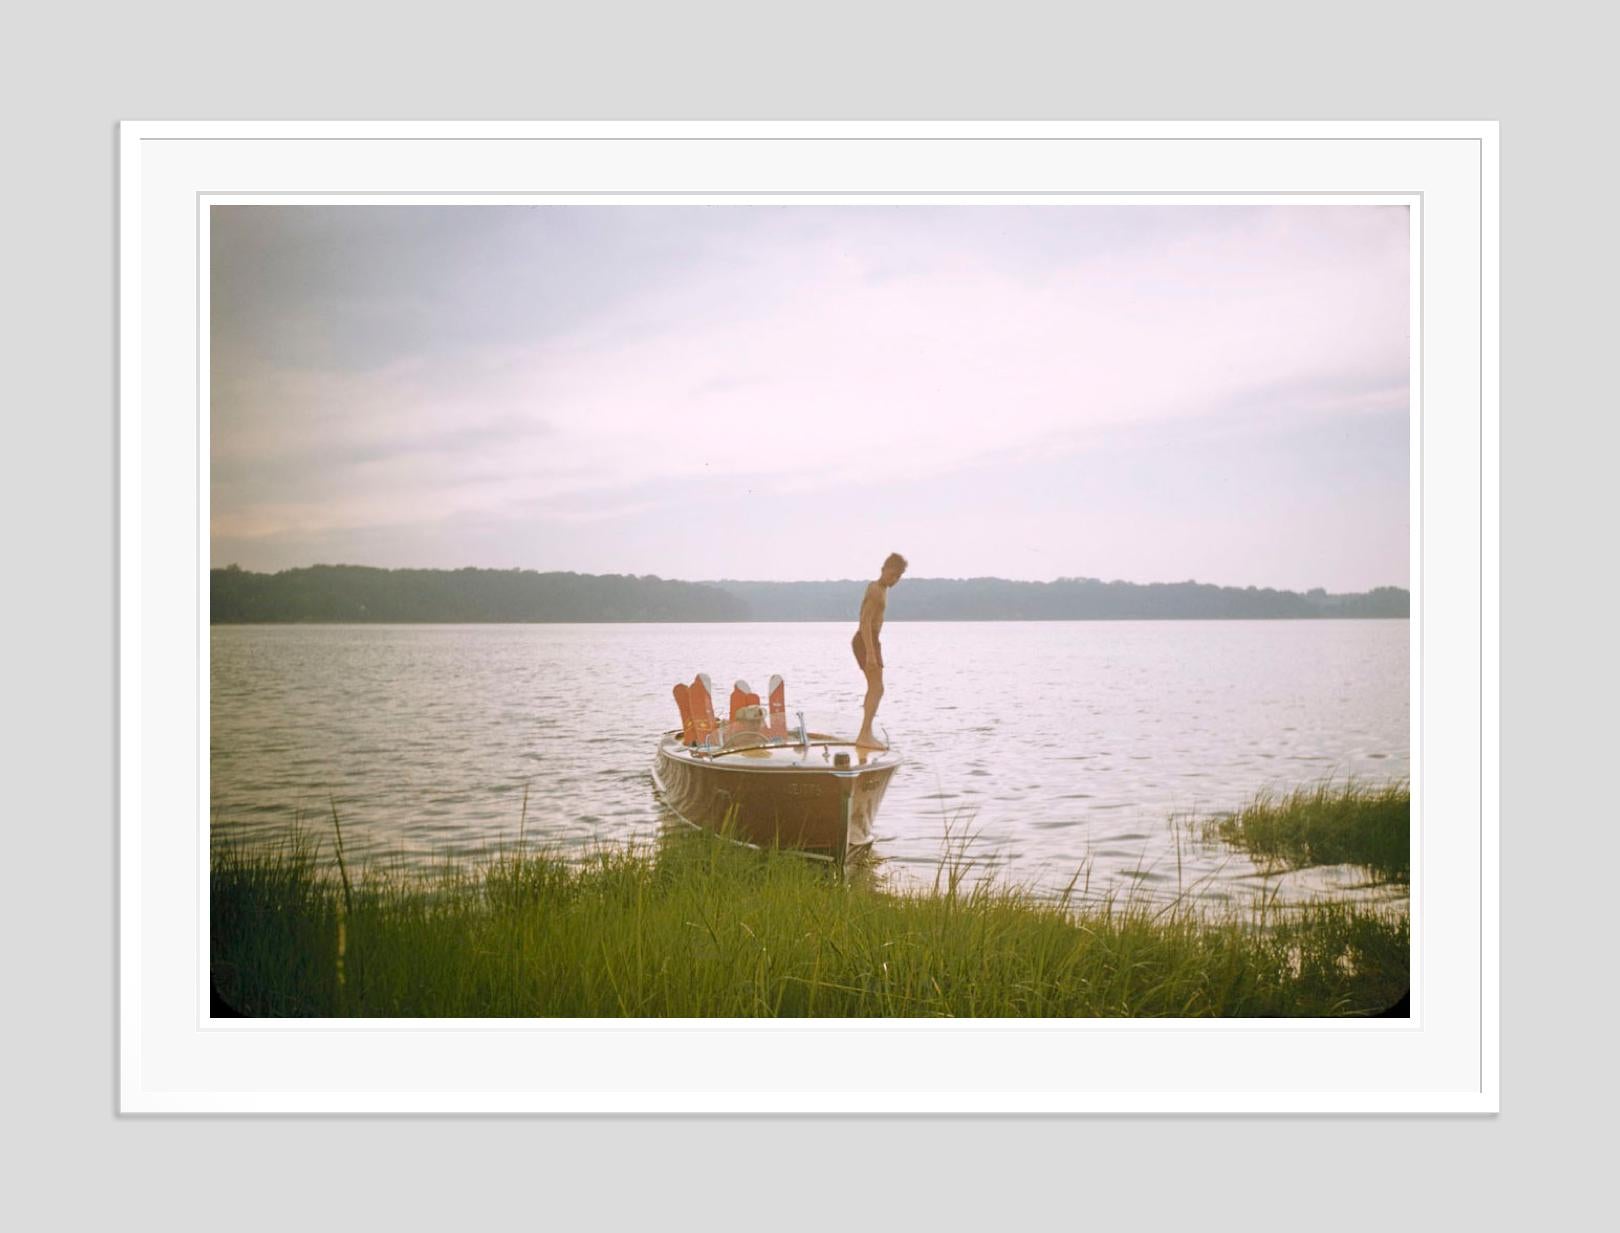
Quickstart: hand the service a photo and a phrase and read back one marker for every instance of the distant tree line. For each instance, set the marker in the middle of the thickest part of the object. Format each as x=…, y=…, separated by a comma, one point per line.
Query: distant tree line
x=356, y=593
x=454, y=596
x=1067, y=599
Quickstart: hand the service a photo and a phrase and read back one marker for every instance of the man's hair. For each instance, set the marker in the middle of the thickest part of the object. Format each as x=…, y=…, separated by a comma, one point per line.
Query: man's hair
x=894, y=558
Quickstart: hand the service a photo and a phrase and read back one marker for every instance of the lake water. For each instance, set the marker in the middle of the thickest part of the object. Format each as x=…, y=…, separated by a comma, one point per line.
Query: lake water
x=1059, y=744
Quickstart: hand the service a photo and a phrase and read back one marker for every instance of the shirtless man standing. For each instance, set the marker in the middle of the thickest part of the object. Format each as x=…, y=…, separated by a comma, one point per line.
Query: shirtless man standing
x=868, y=650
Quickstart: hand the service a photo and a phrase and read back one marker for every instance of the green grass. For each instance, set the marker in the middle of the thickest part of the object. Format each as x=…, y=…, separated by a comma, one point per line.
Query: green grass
x=697, y=927
x=1328, y=824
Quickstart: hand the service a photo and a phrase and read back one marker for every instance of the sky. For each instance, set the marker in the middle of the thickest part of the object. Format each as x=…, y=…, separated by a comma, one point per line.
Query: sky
x=1141, y=392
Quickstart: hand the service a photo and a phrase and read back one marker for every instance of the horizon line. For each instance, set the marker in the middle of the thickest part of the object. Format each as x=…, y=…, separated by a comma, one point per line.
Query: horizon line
x=529, y=569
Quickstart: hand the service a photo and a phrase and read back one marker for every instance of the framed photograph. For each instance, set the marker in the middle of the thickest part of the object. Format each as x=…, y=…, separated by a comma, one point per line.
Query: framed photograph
x=808, y=617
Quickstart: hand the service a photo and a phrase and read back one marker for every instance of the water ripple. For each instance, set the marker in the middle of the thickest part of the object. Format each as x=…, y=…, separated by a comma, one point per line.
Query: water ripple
x=426, y=735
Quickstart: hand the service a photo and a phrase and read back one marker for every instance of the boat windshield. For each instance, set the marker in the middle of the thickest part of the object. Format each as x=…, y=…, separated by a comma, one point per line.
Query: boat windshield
x=755, y=733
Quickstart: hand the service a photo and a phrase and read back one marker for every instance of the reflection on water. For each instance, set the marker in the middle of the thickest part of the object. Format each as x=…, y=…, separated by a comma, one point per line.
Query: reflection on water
x=1062, y=748
x=863, y=867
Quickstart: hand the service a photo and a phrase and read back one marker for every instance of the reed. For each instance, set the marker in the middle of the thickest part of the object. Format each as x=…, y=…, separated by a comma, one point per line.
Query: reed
x=1329, y=823
x=691, y=926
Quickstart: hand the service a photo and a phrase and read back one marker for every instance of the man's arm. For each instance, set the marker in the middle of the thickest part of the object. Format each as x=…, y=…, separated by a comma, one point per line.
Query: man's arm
x=871, y=605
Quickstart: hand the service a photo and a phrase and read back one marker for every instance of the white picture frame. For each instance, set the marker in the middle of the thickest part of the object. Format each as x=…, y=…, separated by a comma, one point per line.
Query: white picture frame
x=174, y=1058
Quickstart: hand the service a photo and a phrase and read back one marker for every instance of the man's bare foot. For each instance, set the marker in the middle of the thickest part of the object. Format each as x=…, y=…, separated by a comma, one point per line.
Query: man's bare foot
x=867, y=741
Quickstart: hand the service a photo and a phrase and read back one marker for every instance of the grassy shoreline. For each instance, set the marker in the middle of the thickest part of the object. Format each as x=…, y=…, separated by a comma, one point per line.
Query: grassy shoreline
x=1347, y=823
x=696, y=927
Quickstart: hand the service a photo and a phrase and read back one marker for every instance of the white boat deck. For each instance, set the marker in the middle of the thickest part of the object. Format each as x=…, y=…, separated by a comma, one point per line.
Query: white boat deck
x=779, y=755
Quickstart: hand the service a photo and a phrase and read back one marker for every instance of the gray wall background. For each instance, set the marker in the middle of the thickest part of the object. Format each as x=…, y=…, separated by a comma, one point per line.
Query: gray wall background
x=72, y=73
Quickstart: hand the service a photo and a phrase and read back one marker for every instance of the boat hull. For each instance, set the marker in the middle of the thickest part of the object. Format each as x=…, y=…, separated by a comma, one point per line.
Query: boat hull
x=776, y=798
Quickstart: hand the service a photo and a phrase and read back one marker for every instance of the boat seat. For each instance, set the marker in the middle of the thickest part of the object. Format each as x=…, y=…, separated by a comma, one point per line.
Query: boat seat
x=742, y=696
x=777, y=725
x=683, y=700
x=700, y=696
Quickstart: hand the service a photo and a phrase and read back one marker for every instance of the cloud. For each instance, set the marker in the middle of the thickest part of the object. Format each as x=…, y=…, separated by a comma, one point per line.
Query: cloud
x=592, y=363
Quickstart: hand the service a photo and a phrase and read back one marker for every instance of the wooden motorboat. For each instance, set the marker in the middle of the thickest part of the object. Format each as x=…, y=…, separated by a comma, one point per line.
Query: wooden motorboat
x=774, y=786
